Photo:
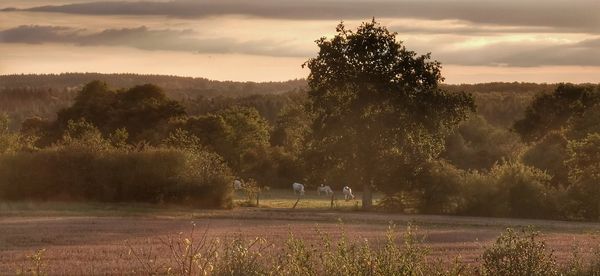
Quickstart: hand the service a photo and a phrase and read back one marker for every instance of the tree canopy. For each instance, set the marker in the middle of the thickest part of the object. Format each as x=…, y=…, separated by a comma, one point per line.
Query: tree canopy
x=136, y=109
x=374, y=100
x=552, y=111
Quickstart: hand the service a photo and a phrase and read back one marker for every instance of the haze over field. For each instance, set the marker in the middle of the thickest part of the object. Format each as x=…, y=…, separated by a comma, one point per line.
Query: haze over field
x=477, y=41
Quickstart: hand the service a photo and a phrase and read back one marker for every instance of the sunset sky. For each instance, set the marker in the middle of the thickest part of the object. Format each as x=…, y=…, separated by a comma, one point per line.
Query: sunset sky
x=268, y=40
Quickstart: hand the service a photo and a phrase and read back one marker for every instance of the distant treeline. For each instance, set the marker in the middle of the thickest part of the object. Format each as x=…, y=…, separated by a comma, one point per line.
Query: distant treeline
x=25, y=96
x=175, y=87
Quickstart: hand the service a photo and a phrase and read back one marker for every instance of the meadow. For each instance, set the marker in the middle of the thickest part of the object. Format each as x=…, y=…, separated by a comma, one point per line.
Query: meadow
x=102, y=238
x=284, y=198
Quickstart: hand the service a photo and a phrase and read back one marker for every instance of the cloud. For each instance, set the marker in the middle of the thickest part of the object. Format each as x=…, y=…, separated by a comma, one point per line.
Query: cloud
x=524, y=54
x=474, y=30
x=580, y=15
x=37, y=34
x=515, y=54
x=147, y=39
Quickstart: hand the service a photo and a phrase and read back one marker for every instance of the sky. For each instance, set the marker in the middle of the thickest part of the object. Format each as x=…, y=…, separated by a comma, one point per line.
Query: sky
x=268, y=40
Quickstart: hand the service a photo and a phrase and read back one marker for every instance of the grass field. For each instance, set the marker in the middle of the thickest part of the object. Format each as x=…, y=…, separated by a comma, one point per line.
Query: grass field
x=280, y=198
x=96, y=238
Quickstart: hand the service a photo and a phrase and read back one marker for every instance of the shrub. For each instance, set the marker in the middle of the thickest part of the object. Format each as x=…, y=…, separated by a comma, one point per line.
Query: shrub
x=518, y=254
x=296, y=259
x=151, y=175
x=476, y=144
x=549, y=155
x=440, y=185
x=479, y=196
x=510, y=189
x=9, y=142
x=584, y=175
x=346, y=258
x=242, y=257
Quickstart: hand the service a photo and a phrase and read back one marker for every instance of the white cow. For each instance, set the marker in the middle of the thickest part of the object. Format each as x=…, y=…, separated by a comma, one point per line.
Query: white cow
x=298, y=188
x=347, y=193
x=237, y=184
x=324, y=189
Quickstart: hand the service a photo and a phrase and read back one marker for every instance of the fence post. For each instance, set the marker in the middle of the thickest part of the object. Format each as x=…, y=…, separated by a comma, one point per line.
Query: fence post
x=296, y=202
x=257, y=197
x=332, y=198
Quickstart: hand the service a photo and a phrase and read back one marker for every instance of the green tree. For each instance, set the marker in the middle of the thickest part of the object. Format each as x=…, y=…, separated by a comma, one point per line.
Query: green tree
x=183, y=139
x=552, y=111
x=236, y=133
x=9, y=142
x=588, y=122
x=549, y=155
x=376, y=103
x=249, y=129
x=584, y=174
x=84, y=135
x=291, y=129
x=476, y=144
x=509, y=189
x=95, y=103
x=139, y=110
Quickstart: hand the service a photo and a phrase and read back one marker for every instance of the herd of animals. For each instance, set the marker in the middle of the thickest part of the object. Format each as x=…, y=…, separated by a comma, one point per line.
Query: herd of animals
x=298, y=188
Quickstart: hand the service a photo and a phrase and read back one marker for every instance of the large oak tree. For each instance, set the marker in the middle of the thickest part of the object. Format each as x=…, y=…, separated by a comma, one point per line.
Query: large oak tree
x=379, y=112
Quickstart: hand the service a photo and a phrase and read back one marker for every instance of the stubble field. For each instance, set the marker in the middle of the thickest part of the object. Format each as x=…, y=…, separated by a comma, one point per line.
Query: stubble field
x=99, y=238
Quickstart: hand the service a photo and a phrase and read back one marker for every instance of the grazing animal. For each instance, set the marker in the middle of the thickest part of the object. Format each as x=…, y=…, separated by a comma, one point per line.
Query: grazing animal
x=237, y=184
x=347, y=193
x=298, y=188
x=324, y=189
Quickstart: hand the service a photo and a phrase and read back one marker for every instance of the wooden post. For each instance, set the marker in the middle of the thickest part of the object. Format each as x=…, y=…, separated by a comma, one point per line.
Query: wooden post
x=367, y=197
x=296, y=203
x=332, y=198
x=257, y=197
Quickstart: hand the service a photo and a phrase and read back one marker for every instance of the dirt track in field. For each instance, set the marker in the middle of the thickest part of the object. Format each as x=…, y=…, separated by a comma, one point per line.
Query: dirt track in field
x=99, y=244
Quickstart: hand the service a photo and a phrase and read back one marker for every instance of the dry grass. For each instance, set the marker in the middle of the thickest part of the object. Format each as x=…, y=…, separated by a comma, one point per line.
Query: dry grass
x=281, y=198
x=94, y=238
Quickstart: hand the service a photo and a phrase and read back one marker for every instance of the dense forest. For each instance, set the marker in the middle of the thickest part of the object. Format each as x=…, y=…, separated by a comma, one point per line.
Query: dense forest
x=25, y=96
x=496, y=149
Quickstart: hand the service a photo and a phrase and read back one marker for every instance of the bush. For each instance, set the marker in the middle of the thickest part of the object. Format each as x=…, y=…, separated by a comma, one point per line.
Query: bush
x=476, y=144
x=549, y=155
x=479, y=195
x=151, y=175
x=440, y=186
x=584, y=174
x=510, y=189
x=9, y=142
x=518, y=254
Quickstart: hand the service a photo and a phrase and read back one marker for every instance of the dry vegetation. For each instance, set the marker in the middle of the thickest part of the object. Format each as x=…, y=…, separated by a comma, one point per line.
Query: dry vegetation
x=97, y=238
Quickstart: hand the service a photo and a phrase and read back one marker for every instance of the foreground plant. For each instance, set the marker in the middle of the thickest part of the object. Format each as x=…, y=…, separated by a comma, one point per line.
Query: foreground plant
x=519, y=254
x=513, y=253
x=36, y=266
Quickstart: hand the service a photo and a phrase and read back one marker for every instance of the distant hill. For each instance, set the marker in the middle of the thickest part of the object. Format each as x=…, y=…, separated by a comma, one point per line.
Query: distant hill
x=175, y=87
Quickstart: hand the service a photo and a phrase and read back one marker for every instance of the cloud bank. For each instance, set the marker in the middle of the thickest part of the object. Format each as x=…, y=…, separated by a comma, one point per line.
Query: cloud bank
x=576, y=15
x=147, y=39
x=522, y=54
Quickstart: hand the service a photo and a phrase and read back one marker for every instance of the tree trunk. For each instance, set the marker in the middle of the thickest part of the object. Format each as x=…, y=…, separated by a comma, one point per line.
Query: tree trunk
x=367, y=197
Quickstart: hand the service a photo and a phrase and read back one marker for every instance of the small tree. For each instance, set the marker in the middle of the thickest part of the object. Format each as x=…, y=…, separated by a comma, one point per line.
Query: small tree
x=584, y=174
x=9, y=142
x=518, y=254
x=552, y=111
x=378, y=111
